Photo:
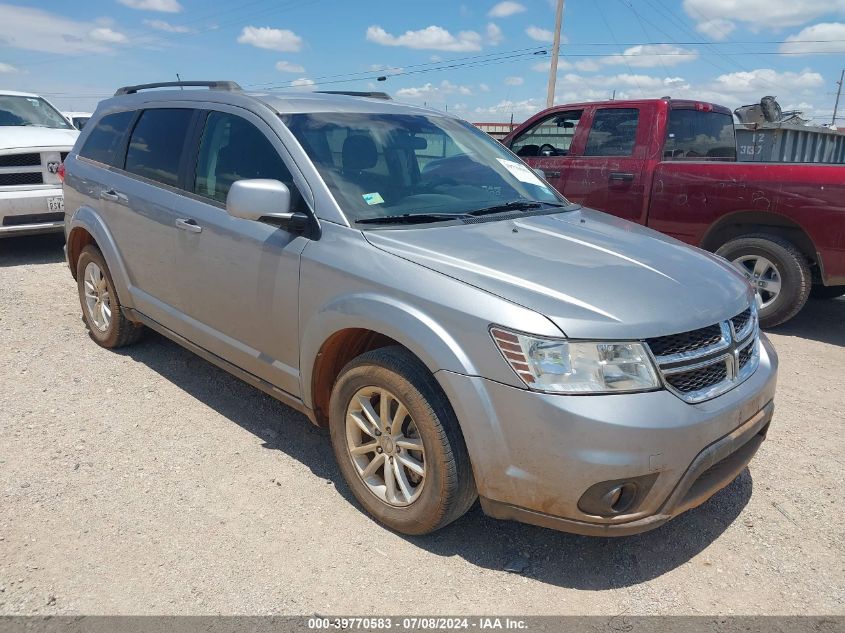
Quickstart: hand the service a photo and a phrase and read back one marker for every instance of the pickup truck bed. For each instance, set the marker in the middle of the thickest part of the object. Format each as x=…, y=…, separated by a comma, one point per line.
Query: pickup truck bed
x=671, y=165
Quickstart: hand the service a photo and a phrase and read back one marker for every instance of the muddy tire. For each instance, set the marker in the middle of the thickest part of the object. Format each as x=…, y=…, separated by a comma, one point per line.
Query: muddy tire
x=101, y=308
x=778, y=270
x=398, y=443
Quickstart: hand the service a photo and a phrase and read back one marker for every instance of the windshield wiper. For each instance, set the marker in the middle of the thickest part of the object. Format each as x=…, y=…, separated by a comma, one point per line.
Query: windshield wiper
x=514, y=205
x=412, y=218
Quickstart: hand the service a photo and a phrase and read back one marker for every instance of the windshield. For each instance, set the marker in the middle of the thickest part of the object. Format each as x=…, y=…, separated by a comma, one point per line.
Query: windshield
x=391, y=165
x=30, y=111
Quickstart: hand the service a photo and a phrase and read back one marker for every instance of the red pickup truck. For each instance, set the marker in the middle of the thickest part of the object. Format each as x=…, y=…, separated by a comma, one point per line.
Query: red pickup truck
x=671, y=165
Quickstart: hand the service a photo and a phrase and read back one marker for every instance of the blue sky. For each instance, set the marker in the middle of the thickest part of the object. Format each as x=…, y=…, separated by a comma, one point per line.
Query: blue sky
x=482, y=60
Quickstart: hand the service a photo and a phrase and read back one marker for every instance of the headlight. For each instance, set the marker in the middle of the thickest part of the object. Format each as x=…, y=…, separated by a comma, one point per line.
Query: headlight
x=579, y=367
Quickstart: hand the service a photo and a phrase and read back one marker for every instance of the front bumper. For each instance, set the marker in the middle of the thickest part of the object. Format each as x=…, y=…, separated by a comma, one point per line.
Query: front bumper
x=25, y=212
x=534, y=455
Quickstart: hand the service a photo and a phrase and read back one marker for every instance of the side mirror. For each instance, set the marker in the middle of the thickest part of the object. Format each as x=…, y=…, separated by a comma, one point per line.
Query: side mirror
x=263, y=200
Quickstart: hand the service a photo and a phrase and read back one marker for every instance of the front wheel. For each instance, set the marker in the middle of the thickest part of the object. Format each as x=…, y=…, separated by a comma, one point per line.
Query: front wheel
x=778, y=271
x=398, y=443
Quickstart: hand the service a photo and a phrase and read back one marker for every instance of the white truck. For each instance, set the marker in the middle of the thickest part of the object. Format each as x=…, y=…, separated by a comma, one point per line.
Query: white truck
x=34, y=141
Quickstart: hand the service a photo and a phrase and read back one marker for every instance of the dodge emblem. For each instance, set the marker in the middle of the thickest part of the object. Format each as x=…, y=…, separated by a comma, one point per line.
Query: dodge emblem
x=53, y=167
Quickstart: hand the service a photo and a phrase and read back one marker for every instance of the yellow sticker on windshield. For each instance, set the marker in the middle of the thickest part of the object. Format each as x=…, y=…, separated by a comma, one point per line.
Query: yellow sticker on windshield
x=373, y=198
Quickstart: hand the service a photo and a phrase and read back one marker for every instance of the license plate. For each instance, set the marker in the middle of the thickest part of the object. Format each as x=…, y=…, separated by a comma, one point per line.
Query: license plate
x=56, y=203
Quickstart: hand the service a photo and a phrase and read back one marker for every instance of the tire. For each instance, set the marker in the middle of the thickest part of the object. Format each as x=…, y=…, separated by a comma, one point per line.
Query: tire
x=447, y=488
x=787, y=264
x=116, y=330
x=826, y=292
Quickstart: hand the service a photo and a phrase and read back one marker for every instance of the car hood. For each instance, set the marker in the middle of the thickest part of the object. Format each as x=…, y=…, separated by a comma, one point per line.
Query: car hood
x=593, y=275
x=22, y=137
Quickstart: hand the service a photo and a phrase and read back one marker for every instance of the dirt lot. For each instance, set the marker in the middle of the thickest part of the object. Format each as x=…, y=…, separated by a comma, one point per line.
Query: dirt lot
x=148, y=481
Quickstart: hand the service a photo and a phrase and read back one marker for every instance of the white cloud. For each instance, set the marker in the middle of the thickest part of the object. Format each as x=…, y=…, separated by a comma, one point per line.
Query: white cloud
x=773, y=14
x=165, y=6
x=494, y=34
x=800, y=42
x=7, y=68
x=540, y=35
x=108, y=36
x=651, y=55
x=430, y=38
x=505, y=108
x=505, y=9
x=484, y=87
x=433, y=92
x=272, y=39
x=716, y=29
x=763, y=81
x=37, y=30
x=289, y=67
x=161, y=25
x=514, y=81
x=303, y=83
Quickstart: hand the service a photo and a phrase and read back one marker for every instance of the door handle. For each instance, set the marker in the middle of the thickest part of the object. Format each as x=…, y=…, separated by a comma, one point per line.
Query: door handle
x=188, y=224
x=111, y=194
x=552, y=174
x=621, y=176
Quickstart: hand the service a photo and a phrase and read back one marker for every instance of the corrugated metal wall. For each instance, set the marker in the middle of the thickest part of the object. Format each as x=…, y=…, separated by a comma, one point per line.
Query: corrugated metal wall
x=770, y=142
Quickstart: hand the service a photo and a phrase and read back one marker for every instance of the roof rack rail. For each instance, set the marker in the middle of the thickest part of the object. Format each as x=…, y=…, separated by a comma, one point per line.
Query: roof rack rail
x=354, y=93
x=211, y=85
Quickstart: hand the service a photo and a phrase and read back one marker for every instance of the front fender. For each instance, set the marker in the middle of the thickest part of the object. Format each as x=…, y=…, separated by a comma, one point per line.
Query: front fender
x=88, y=219
x=431, y=342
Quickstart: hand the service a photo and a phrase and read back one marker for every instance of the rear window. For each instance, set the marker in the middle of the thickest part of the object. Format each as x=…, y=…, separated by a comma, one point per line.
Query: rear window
x=106, y=139
x=155, y=148
x=698, y=135
x=613, y=132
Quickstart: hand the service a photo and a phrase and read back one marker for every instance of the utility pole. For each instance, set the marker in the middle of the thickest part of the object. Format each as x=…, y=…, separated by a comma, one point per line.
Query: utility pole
x=550, y=95
x=838, y=93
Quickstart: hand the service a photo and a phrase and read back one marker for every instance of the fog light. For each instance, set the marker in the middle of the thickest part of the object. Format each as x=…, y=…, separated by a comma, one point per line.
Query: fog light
x=619, y=496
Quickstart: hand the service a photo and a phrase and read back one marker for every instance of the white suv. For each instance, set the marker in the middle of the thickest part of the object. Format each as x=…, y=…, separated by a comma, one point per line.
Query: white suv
x=34, y=140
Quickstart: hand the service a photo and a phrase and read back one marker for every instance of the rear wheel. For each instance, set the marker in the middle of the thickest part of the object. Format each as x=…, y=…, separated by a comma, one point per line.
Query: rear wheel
x=398, y=443
x=826, y=292
x=778, y=271
x=101, y=309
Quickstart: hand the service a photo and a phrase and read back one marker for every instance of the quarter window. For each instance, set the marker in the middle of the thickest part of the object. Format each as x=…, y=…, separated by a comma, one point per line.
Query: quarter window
x=106, y=139
x=613, y=133
x=550, y=137
x=234, y=149
x=155, y=148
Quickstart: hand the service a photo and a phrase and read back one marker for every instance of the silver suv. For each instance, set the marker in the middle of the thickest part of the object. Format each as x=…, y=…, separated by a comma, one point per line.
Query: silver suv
x=406, y=281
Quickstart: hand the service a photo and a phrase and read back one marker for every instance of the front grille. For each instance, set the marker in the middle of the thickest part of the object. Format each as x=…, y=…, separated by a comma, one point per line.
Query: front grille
x=745, y=355
x=63, y=155
x=32, y=218
x=26, y=178
x=20, y=160
x=699, y=379
x=741, y=320
x=685, y=341
x=707, y=362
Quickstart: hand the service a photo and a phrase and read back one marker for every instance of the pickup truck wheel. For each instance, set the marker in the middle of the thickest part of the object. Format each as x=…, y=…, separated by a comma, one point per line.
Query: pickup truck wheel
x=398, y=443
x=777, y=270
x=101, y=309
x=826, y=292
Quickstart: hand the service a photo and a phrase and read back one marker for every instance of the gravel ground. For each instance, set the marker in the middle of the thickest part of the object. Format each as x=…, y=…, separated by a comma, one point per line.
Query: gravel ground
x=150, y=482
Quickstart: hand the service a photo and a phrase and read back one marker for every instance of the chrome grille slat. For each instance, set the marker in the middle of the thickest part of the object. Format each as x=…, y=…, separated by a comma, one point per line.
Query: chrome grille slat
x=709, y=365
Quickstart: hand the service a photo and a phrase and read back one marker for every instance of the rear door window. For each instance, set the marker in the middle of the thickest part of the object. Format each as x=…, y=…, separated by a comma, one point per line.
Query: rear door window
x=157, y=142
x=613, y=133
x=105, y=142
x=698, y=135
